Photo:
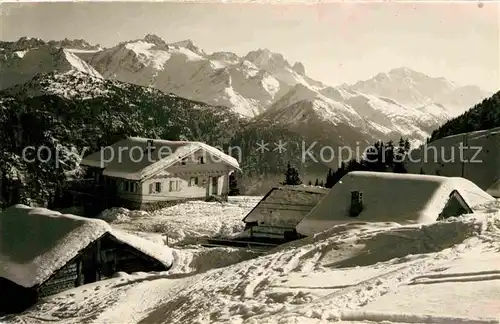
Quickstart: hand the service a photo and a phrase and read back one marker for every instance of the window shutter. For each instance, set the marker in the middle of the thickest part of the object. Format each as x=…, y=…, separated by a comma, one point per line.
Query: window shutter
x=151, y=188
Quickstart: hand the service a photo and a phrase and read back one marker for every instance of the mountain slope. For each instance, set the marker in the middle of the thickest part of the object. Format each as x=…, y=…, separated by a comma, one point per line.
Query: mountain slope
x=19, y=66
x=74, y=113
x=369, y=116
x=261, y=85
x=415, y=89
x=484, y=115
x=184, y=69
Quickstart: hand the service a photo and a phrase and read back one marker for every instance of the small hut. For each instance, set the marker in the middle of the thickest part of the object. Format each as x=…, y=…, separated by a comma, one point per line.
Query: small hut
x=281, y=209
x=363, y=196
x=43, y=252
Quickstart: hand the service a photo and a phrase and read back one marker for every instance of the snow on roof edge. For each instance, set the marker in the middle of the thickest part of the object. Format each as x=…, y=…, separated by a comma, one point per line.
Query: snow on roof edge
x=186, y=148
x=31, y=264
x=425, y=208
x=162, y=253
x=298, y=188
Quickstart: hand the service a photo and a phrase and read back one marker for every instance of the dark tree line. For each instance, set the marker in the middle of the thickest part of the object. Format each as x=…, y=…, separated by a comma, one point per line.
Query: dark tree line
x=381, y=157
x=484, y=115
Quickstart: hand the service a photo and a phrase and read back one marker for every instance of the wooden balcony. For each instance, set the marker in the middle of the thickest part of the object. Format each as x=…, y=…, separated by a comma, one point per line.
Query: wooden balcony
x=93, y=196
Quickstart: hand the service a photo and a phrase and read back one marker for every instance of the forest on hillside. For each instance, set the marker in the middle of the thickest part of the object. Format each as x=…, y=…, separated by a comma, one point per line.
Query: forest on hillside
x=380, y=157
x=61, y=129
x=484, y=115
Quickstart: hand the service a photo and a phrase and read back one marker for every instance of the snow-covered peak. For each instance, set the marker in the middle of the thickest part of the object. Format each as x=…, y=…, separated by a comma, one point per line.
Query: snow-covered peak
x=80, y=64
x=225, y=56
x=189, y=44
x=297, y=93
x=417, y=90
x=338, y=94
x=42, y=59
x=154, y=39
x=418, y=77
x=265, y=59
x=299, y=68
x=75, y=44
x=403, y=71
x=24, y=43
x=147, y=55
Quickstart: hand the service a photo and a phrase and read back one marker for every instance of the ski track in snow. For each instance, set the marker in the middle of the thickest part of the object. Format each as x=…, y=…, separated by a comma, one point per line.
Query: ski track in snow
x=349, y=274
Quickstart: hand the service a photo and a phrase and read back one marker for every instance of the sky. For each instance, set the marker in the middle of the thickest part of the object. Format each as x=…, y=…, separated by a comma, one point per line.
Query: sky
x=337, y=42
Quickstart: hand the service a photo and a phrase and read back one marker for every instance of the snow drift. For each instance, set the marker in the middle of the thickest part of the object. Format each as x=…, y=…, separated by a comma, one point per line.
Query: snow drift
x=390, y=197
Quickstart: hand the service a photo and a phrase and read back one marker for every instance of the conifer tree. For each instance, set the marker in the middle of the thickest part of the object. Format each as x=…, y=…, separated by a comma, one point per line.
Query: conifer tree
x=389, y=156
x=329, y=179
x=407, y=146
x=399, y=158
x=292, y=177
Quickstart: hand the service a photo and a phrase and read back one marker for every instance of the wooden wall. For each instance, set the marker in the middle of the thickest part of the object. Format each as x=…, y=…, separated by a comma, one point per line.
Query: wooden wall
x=98, y=261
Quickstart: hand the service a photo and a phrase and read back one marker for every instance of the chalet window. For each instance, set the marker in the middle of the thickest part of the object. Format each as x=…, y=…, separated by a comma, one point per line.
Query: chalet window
x=129, y=186
x=200, y=160
x=175, y=185
x=158, y=186
x=193, y=181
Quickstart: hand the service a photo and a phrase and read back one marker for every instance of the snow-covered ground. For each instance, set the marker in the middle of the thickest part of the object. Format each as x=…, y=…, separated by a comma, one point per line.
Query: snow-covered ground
x=181, y=223
x=447, y=272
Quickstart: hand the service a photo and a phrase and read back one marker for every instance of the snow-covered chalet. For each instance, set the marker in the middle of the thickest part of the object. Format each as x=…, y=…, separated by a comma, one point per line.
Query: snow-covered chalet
x=147, y=174
x=44, y=252
x=362, y=196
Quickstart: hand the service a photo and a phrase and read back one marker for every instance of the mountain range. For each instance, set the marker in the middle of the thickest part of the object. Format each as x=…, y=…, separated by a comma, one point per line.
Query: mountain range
x=261, y=85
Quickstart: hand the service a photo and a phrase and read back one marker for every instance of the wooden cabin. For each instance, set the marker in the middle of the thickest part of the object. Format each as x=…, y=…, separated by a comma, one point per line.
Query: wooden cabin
x=43, y=252
x=362, y=196
x=274, y=218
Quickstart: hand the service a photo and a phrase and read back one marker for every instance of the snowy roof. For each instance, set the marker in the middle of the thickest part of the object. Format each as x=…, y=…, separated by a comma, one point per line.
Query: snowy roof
x=286, y=206
x=389, y=197
x=129, y=158
x=36, y=242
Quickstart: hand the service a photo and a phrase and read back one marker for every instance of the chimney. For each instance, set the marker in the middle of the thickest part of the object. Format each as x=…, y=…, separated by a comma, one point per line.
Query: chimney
x=356, y=203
